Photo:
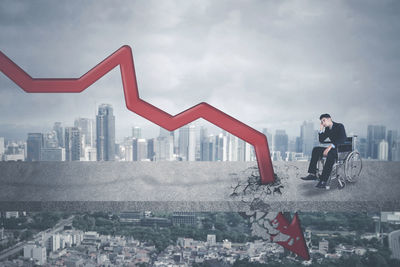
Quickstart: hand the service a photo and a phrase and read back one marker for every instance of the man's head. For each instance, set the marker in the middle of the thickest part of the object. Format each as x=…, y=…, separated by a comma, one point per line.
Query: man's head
x=326, y=120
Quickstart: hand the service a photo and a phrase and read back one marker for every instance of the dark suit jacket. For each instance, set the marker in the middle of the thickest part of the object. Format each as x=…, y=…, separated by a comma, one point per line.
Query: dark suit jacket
x=337, y=134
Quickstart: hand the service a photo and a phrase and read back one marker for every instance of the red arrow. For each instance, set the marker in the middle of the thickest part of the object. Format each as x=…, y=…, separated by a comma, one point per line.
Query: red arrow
x=296, y=242
x=123, y=57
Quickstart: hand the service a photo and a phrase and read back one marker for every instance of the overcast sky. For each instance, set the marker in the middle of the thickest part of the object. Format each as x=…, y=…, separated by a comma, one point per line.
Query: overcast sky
x=270, y=64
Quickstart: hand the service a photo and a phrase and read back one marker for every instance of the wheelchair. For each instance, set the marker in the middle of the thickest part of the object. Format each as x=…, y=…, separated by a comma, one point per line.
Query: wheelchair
x=348, y=160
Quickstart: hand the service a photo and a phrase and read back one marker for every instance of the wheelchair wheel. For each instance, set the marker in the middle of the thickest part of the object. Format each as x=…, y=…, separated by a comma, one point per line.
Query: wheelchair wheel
x=352, y=166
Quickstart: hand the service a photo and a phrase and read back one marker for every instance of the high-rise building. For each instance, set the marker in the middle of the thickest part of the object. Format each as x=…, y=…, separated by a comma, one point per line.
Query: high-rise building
x=307, y=137
x=375, y=133
x=244, y=151
x=51, y=140
x=73, y=144
x=60, y=133
x=2, y=147
x=383, y=150
x=204, y=145
x=362, y=146
x=192, y=143
x=139, y=149
x=87, y=127
x=35, y=143
x=105, y=133
x=164, y=147
x=136, y=132
x=281, y=142
x=221, y=146
x=233, y=147
x=187, y=142
x=151, y=149
x=392, y=137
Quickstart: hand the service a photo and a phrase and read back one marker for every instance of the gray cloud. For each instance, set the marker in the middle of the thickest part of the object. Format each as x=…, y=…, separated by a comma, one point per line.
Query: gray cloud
x=267, y=63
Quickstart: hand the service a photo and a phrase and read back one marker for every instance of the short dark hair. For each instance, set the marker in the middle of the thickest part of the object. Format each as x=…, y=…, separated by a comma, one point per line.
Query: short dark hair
x=326, y=115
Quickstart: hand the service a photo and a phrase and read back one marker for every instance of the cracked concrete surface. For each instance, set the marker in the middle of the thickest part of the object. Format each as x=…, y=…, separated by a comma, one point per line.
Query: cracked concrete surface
x=181, y=186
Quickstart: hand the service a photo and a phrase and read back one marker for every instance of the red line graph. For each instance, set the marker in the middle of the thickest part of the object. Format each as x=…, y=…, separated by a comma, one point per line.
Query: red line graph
x=123, y=57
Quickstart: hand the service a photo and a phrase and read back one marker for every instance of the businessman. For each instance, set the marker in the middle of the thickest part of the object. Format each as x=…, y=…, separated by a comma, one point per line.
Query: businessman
x=337, y=135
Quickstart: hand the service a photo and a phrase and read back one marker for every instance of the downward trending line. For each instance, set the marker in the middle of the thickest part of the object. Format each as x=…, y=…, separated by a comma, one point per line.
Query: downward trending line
x=123, y=57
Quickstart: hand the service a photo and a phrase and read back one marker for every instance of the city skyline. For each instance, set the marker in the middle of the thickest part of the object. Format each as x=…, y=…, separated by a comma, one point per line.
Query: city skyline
x=94, y=139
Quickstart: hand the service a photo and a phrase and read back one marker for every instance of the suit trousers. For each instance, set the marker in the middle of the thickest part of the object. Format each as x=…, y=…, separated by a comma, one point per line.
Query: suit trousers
x=317, y=154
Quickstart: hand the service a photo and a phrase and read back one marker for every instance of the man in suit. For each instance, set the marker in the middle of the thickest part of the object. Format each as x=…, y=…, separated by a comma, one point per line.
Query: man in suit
x=337, y=135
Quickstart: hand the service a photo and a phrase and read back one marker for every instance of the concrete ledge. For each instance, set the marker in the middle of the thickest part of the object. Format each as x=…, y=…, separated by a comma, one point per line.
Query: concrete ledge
x=188, y=186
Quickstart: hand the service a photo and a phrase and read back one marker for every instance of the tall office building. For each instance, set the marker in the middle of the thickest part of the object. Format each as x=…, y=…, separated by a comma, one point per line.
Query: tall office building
x=383, y=150
x=60, y=133
x=164, y=147
x=150, y=149
x=51, y=140
x=35, y=143
x=362, y=146
x=87, y=127
x=136, y=132
x=307, y=138
x=220, y=149
x=187, y=142
x=233, y=147
x=204, y=144
x=139, y=149
x=392, y=138
x=2, y=147
x=375, y=134
x=244, y=151
x=105, y=133
x=281, y=142
x=73, y=144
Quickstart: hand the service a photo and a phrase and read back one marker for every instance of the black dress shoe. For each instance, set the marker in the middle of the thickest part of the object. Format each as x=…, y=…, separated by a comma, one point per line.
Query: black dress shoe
x=321, y=184
x=310, y=177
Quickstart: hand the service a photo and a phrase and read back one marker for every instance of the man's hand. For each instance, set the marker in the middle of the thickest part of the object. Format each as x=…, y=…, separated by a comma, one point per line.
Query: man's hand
x=321, y=126
x=326, y=151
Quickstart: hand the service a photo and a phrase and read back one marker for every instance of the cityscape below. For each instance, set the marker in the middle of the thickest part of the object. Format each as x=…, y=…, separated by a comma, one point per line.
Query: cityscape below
x=94, y=140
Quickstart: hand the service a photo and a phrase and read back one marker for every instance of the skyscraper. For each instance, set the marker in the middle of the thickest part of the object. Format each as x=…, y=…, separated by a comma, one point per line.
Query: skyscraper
x=392, y=137
x=164, y=145
x=281, y=142
x=73, y=144
x=375, y=134
x=105, y=133
x=136, y=132
x=87, y=127
x=187, y=142
x=60, y=133
x=204, y=144
x=307, y=133
x=192, y=143
x=139, y=149
x=383, y=150
x=2, y=148
x=35, y=143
